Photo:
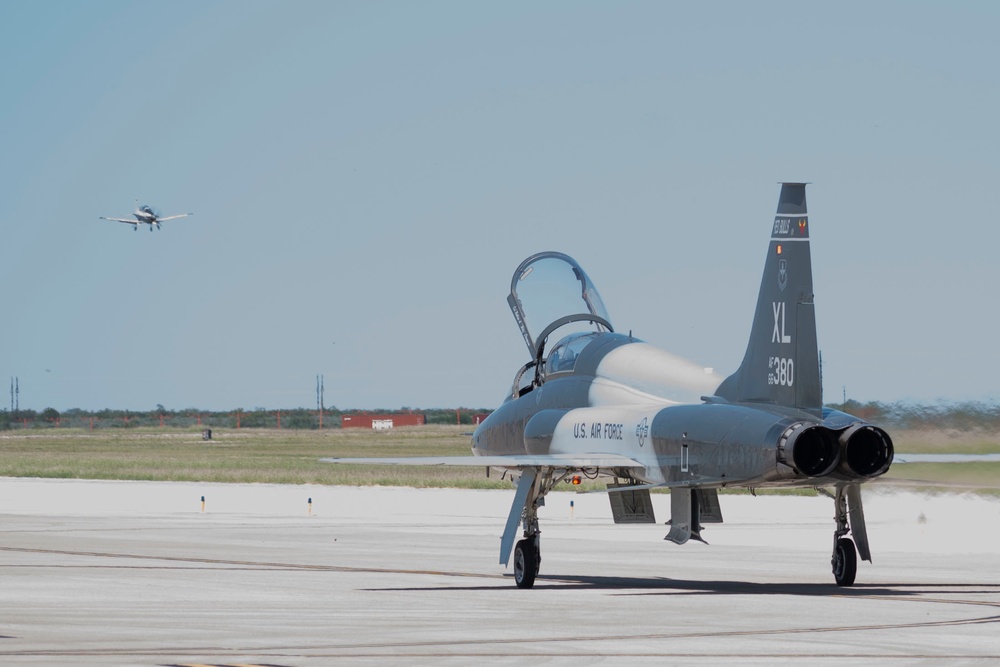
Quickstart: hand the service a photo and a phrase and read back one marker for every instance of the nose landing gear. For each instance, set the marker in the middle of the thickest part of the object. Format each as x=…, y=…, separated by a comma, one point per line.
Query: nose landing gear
x=532, y=487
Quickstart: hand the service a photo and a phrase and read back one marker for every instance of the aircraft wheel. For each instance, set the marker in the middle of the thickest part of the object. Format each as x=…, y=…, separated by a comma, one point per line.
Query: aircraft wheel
x=845, y=562
x=526, y=562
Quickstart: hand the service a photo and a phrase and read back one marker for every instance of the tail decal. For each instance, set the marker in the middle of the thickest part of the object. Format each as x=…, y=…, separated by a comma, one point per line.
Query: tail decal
x=781, y=365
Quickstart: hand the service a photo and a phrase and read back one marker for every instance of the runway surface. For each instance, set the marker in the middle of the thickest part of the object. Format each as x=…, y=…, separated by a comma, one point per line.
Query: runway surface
x=135, y=573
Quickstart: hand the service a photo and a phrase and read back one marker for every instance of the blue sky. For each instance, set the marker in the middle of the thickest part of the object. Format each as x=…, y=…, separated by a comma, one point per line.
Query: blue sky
x=366, y=176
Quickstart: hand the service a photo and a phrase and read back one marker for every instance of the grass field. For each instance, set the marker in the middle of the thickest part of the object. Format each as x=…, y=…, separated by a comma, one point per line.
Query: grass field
x=986, y=474
x=243, y=455
x=292, y=457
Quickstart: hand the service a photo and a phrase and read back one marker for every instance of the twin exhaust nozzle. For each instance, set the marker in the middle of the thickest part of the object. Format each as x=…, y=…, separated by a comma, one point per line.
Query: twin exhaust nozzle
x=859, y=451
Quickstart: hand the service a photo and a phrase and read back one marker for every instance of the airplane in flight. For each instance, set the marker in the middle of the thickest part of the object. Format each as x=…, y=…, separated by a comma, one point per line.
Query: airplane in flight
x=601, y=403
x=145, y=215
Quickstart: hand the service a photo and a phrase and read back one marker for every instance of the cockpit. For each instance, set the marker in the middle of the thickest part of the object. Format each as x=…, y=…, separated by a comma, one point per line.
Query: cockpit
x=550, y=293
x=562, y=358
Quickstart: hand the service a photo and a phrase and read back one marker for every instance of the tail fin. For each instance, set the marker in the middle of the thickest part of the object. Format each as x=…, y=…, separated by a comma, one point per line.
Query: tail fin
x=781, y=365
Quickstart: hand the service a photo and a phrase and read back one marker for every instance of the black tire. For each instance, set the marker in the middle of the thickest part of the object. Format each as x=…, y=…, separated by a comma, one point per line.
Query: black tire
x=845, y=562
x=526, y=562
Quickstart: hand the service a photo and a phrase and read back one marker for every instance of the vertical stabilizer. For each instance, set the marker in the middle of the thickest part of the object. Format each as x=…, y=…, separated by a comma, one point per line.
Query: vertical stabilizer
x=781, y=365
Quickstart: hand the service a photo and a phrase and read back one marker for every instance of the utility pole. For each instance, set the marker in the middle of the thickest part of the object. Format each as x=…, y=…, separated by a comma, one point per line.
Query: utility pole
x=319, y=399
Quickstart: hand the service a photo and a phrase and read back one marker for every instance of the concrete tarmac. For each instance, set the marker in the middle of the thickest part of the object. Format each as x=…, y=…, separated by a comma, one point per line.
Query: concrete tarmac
x=136, y=573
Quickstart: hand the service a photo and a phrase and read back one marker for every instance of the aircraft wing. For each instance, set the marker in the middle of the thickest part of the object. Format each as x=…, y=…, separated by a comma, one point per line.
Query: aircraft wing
x=519, y=461
x=174, y=217
x=131, y=222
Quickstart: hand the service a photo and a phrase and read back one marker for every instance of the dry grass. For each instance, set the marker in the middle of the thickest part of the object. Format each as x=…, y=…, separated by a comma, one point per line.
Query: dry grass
x=986, y=474
x=926, y=441
x=245, y=455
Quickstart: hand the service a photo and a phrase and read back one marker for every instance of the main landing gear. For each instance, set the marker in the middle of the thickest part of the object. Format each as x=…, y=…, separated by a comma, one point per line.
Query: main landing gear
x=527, y=559
x=845, y=561
x=845, y=555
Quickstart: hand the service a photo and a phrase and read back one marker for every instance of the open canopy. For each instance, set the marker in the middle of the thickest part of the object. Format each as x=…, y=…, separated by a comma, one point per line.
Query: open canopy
x=550, y=291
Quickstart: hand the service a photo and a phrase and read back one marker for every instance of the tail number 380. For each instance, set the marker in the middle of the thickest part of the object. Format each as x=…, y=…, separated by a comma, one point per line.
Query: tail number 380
x=781, y=371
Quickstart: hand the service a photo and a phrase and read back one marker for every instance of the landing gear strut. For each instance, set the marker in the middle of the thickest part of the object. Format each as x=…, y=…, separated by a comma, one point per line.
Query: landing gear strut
x=528, y=551
x=845, y=555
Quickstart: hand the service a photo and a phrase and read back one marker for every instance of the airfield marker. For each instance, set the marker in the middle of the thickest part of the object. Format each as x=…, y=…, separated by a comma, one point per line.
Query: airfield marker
x=310, y=507
x=203, y=504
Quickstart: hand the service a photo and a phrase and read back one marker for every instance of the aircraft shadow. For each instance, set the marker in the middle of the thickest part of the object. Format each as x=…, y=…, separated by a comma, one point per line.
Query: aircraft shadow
x=668, y=586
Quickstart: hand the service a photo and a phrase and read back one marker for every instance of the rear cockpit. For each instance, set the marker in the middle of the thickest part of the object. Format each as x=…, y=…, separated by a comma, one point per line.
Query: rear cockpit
x=562, y=358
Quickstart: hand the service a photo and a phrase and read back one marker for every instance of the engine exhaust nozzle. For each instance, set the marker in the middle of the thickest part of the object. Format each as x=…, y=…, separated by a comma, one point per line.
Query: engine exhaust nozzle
x=812, y=450
x=866, y=450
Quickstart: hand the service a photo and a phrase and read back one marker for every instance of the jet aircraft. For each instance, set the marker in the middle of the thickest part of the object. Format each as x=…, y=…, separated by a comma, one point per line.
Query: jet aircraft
x=145, y=215
x=598, y=403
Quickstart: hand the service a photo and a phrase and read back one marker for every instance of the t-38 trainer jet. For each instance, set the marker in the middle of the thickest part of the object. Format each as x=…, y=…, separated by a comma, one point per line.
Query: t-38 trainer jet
x=145, y=215
x=598, y=403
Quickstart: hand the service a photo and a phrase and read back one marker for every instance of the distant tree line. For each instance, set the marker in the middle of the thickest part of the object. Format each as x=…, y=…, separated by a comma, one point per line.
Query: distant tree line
x=293, y=418
x=964, y=416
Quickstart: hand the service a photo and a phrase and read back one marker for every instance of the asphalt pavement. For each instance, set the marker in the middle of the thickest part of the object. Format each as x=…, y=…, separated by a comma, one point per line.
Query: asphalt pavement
x=146, y=573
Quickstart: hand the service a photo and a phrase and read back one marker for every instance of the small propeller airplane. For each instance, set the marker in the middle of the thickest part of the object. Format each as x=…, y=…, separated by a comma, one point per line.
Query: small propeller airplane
x=599, y=403
x=145, y=215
